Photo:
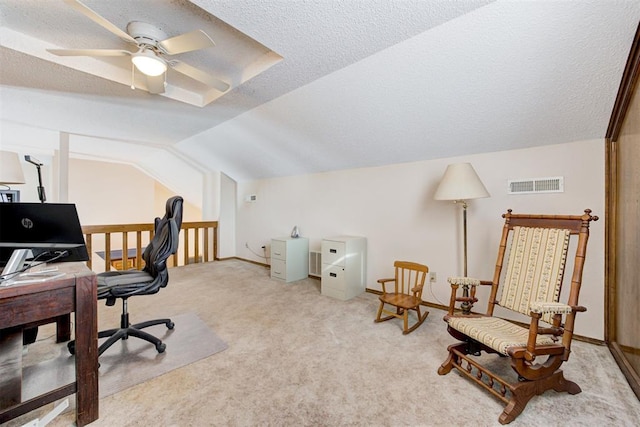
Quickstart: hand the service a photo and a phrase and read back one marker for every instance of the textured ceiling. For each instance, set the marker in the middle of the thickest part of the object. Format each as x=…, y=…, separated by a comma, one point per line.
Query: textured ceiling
x=360, y=83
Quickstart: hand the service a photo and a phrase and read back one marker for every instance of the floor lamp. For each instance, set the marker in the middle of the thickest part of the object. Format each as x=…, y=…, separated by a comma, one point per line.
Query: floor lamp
x=460, y=183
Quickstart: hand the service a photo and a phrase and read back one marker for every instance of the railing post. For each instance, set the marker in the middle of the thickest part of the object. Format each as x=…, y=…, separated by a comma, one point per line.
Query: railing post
x=196, y=243
x=107, y=252
x=138, y=250
x=125, y=251
x=206, y=244
x=186, y=246
x=215, y=243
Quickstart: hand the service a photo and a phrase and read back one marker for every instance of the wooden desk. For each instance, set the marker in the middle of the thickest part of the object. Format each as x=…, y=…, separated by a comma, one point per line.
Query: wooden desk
x=29, y=304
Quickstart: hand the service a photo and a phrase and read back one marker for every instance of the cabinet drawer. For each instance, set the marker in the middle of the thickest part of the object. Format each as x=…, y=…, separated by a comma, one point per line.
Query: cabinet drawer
x=278, y=269
x=278, y=249
x=333, y=277
x=333, y=252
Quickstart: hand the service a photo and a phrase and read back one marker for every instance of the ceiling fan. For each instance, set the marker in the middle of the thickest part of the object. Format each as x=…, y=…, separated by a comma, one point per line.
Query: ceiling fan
x=153, y=47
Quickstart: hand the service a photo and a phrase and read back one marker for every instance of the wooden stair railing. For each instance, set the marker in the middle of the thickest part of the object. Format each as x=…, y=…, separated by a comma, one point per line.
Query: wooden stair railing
x=192, y=234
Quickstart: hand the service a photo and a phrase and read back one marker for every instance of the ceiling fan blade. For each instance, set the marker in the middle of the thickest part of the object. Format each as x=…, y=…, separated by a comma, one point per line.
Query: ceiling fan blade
x=187, y=42
x=89, y=52
x=199, y=75
x=155, y=84
x=91, y=14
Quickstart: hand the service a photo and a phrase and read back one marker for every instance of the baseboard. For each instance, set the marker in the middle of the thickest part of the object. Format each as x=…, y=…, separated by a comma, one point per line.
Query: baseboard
x=262, y=264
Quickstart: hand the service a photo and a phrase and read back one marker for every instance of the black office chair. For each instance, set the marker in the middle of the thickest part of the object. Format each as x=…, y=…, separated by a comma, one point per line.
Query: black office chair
x=125, y=284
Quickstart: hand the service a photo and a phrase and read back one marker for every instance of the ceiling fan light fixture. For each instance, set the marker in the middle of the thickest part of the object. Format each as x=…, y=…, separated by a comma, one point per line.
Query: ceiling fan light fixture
x=149, y=63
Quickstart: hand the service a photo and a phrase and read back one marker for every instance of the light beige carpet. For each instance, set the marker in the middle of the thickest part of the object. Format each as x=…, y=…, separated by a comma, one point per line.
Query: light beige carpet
x=297, y=358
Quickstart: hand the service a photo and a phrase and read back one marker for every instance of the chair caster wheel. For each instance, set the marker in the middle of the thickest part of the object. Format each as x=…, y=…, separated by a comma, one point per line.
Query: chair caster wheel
x=161, y=347
x=171, y=325
x=71, y=346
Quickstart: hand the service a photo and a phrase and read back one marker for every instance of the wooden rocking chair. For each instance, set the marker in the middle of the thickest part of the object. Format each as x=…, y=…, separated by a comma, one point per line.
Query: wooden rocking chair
x=532, y=285
x=407, y=294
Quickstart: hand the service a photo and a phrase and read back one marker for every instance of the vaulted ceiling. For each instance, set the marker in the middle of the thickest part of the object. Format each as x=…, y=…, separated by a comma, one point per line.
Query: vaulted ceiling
x=315, y=85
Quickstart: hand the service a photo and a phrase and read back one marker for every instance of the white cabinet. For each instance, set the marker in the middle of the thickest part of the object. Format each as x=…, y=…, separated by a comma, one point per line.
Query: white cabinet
x=290, y=258
x=344, y=266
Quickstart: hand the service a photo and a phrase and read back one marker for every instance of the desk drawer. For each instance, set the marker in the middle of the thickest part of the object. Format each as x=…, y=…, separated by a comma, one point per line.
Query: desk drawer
x=333, y=276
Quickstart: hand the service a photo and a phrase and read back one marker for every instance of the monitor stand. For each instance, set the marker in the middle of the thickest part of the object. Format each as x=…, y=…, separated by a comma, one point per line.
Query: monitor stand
x=17, y=260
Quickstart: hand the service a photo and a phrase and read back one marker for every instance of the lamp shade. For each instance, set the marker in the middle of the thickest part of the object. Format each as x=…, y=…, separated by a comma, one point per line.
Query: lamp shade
x=460, y=182
x=10, y=168
x=148, y=63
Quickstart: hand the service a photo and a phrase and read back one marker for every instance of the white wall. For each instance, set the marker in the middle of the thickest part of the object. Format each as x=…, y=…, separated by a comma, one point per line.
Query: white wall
x=111, y=193
x=393, y=207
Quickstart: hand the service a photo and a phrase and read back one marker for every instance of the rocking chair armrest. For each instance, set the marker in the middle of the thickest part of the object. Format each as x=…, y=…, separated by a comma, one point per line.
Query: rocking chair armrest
x=533, y=349
x=469, y=281
x=455, y=284
x=383, y=282
x=541, y=307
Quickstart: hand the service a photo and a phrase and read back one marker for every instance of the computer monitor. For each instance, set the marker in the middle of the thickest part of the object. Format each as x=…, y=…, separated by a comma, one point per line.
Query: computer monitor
x=51, y=231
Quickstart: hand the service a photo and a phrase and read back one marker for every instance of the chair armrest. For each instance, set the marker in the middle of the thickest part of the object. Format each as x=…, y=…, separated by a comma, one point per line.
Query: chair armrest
x=383, y=282
x=537, y=309
x=470, y=281
x=455, y=283
x=541, y=307
x=416, y=289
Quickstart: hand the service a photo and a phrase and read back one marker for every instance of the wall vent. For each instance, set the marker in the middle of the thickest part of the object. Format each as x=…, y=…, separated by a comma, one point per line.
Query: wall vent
x=315, y=264
x=536, y=185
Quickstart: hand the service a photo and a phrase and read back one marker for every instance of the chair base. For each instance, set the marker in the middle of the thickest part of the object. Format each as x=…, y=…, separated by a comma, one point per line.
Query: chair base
x=515, y=396
x=134, y=331
x=123, y=333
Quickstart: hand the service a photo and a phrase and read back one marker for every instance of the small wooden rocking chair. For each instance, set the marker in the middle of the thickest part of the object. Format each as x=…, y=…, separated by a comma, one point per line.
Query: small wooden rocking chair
x=532, y=285
x=407, y=295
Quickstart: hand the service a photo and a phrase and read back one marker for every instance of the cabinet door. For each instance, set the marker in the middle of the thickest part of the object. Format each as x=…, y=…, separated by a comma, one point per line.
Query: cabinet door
x=334, y=283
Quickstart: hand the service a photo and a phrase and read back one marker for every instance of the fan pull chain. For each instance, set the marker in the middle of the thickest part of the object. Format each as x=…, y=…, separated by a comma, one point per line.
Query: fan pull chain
x=132, y=76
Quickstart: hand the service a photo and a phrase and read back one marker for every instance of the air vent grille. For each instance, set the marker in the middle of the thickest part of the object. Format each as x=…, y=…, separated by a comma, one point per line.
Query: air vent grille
x=315, y=263
x=536, y=185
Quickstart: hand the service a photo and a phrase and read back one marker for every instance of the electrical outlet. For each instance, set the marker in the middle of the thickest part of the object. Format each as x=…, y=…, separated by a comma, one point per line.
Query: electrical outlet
x=433, y=277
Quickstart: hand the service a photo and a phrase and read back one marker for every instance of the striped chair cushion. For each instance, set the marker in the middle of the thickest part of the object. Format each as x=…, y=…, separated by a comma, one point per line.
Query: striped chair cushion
x=535, y=268
x=494, y=332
